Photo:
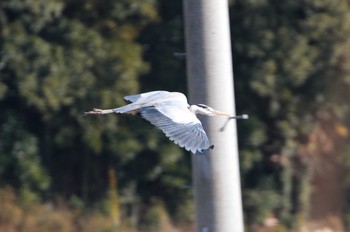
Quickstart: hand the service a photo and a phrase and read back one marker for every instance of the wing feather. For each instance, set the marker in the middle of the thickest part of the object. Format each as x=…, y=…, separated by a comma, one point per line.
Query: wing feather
x=187, y=131
x=148, y=95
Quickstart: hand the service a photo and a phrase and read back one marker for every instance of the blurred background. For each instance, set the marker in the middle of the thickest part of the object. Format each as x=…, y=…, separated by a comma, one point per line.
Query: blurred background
x=61, y=171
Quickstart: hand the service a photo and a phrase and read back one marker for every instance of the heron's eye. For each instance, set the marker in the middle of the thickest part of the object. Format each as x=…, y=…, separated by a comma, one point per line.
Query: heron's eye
x=203, y=106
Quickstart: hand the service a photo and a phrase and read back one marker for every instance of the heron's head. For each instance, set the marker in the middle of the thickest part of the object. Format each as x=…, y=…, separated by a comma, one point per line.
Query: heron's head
x=206, y=110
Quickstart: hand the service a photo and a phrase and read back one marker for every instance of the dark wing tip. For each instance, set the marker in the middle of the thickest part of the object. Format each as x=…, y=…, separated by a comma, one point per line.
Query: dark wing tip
x=202, y=150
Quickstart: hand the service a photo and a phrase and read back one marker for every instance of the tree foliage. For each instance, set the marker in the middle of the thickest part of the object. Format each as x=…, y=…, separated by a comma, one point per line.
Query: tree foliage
x=290, y=73
x=60, y=58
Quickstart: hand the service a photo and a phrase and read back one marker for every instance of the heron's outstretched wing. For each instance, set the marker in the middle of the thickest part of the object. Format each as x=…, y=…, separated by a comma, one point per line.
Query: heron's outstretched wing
x=152, y=99
x=179, y=124
x=140, y=100
x=136, y=97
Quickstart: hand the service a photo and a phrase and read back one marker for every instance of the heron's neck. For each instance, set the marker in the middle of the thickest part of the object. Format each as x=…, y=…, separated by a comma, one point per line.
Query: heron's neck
x=196, y=109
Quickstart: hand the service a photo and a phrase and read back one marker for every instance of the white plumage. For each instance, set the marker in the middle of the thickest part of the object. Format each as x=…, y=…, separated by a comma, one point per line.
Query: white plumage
x=170, y=112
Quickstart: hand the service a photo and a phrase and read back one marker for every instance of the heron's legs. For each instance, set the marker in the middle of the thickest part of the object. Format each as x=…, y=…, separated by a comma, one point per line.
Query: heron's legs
x=99, y=111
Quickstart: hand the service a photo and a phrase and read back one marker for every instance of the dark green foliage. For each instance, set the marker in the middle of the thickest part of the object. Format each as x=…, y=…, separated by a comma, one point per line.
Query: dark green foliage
x=286, y=66
x=162, y=40
x=51, y=71
x=59, y=58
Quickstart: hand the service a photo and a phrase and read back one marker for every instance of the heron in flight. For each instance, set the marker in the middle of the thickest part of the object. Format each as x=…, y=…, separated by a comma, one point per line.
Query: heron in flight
x=170, y=112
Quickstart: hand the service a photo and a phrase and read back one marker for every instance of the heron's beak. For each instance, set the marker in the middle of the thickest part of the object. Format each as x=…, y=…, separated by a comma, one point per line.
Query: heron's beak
x=217, y=112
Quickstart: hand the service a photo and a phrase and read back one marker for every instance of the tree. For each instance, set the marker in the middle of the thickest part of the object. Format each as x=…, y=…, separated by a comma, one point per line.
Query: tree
x=61, y=58
x=286, y=58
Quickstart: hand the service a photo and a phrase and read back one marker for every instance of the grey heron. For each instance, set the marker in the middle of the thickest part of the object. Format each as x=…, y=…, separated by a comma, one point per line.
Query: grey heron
x=170, y=112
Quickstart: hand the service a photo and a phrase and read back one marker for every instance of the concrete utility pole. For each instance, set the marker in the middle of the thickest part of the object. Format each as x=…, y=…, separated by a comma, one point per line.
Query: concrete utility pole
x=216, y=178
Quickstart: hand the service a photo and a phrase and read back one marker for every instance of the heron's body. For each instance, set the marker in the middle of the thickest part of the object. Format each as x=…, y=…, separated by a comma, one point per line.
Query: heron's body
x=170, y=112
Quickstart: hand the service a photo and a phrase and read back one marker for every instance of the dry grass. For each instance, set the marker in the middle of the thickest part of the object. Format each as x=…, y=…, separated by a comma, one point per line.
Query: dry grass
x=19, y=215
x=16, y=216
